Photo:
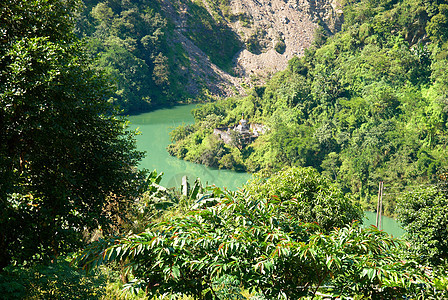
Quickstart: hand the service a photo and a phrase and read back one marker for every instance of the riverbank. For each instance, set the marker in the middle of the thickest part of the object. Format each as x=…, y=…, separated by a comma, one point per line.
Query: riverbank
x=155, y=127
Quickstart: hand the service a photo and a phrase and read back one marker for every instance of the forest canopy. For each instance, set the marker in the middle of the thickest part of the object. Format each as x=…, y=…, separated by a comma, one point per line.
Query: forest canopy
x=127, y=41
x=366, y=104
x=135, y=44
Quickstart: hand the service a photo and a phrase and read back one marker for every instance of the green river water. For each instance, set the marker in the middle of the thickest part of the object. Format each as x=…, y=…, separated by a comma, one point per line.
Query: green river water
x=155, y=127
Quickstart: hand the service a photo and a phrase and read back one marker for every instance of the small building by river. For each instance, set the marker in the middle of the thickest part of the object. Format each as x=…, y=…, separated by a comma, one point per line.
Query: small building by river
x=246, y=133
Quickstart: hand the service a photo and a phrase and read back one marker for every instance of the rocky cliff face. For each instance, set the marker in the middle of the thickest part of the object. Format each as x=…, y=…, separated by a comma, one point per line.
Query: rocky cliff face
x=271, y=32
x=285, y=28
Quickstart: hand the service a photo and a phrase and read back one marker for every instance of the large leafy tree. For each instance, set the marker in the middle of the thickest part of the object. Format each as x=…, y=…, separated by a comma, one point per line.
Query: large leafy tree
x=308, y=196
x=64, y=155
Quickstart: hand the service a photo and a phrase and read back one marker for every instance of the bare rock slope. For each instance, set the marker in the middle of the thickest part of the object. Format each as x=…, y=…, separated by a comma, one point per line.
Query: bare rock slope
x=290, y=22
x=272, y=32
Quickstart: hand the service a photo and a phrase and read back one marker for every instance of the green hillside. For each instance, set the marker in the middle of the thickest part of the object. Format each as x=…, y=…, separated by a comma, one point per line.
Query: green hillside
x=134, y=44
x=80, y=220
x=367, y=104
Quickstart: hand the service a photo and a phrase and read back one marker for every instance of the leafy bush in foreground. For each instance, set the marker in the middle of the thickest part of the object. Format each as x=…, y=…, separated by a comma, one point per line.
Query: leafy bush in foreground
x=258, y=243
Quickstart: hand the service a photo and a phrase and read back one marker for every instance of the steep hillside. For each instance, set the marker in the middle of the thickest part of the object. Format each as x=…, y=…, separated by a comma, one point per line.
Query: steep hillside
x=369, y=104
x=278, y=30
x=169, y=51
x=271, y=32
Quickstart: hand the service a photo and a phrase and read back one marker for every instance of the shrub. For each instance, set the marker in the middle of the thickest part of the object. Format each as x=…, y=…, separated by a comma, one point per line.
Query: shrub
x=308, y=196
x=256, y=242
x=280, y=47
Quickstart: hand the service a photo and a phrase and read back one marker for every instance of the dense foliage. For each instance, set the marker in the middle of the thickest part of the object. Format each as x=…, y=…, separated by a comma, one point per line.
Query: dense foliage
x=133, y=44
x=369, y=104
x=234, y=241
x=58, y=280
x=67, y=163
x=307, y=196
x=424, y=215
x=128, y=41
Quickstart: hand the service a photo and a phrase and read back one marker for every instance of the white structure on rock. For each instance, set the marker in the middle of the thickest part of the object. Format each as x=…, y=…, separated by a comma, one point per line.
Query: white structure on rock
x=248, y=132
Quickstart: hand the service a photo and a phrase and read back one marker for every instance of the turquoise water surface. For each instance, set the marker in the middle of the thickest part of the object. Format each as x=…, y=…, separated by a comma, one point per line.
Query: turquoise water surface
x=155, y=127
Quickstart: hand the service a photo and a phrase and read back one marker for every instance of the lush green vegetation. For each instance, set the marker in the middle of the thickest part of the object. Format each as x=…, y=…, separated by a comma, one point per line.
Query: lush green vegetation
x=132, y=42
x=58, y=280
x=368, y=104
x=128, y=41
x=252, y=240
x=67, y=162
x=424, y=215
x=68, y=168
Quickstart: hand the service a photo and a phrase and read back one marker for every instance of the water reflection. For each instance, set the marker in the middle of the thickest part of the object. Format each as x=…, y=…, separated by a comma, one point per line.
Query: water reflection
x=389, y=225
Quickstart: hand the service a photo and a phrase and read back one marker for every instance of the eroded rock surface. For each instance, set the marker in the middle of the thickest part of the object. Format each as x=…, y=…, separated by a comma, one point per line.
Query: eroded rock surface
x=272, y=32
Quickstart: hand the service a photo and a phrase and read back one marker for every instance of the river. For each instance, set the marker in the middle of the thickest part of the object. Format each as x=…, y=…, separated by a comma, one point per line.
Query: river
x=155, y=127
